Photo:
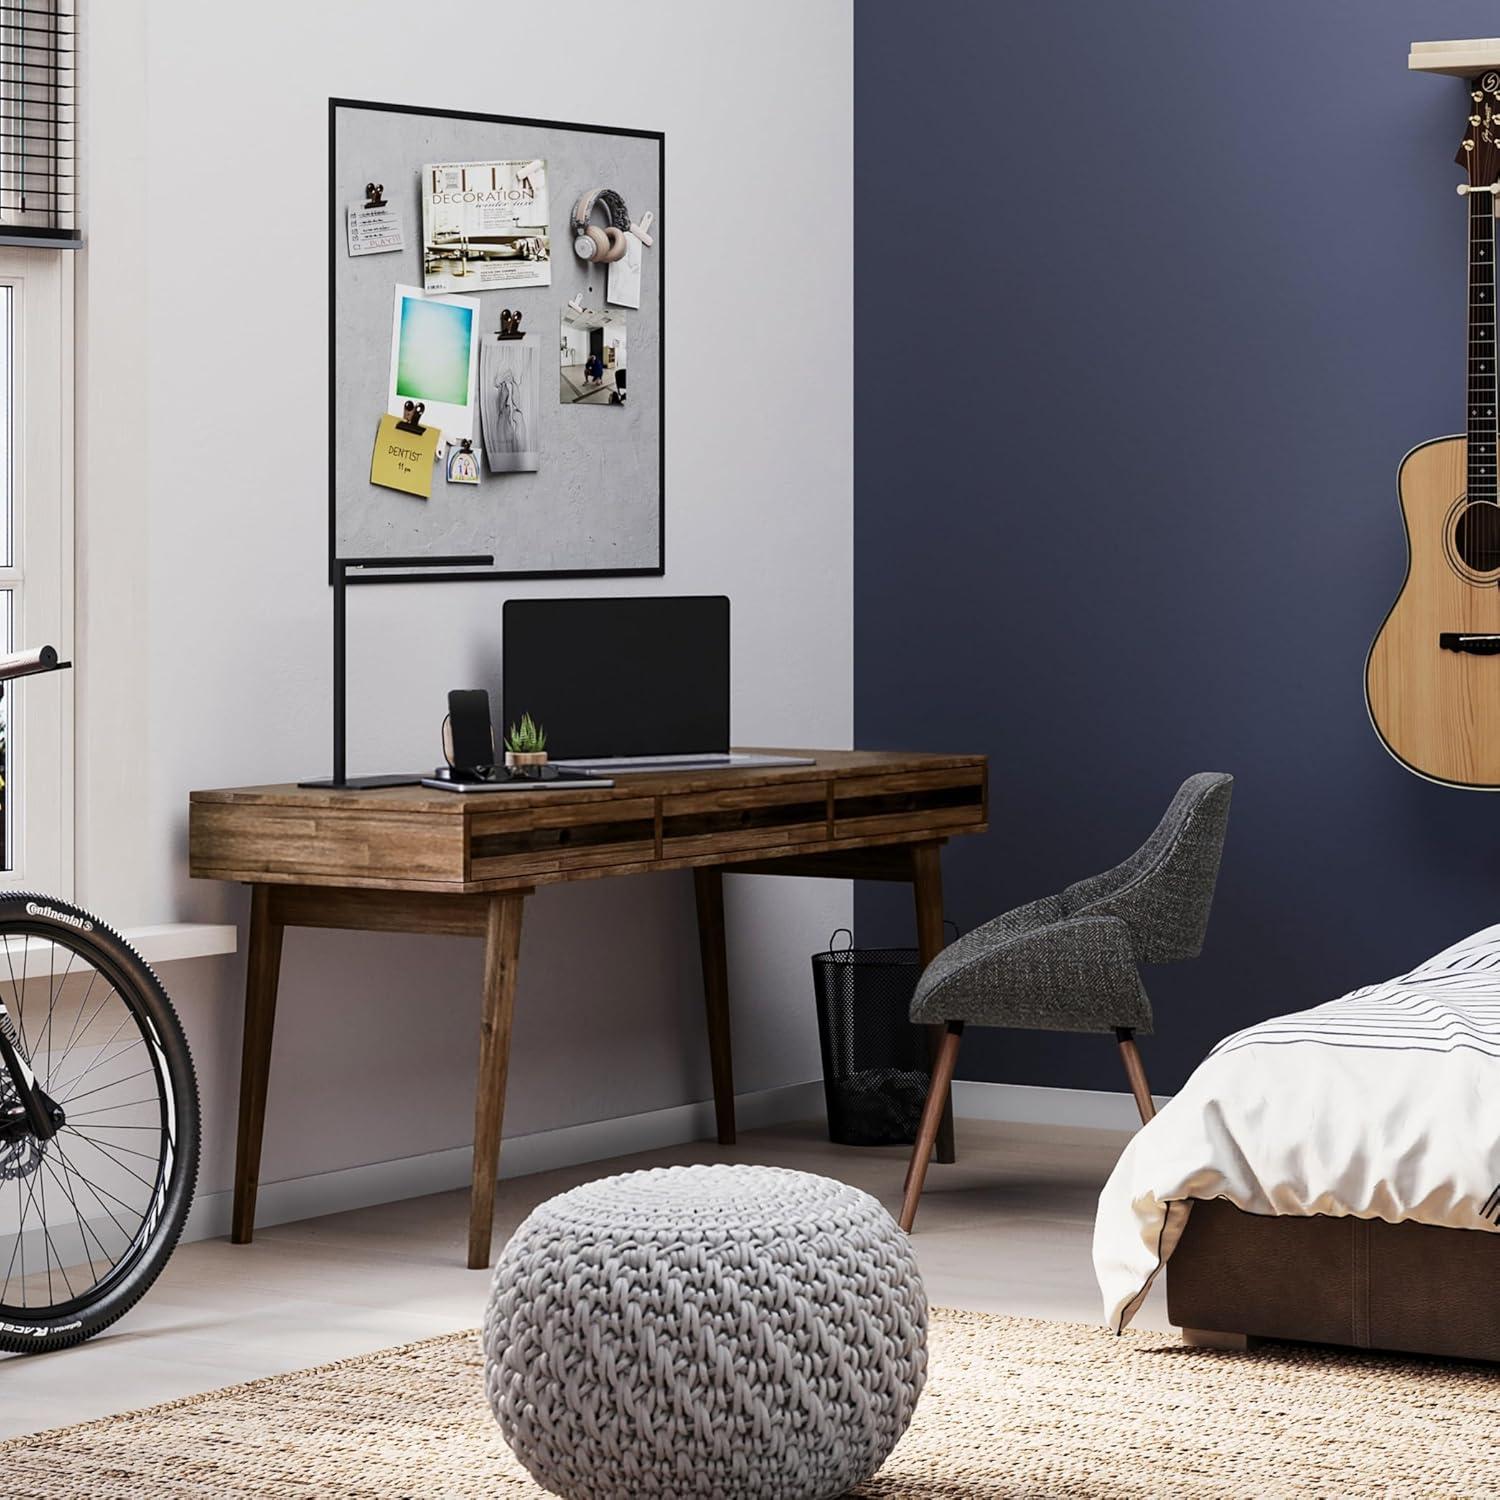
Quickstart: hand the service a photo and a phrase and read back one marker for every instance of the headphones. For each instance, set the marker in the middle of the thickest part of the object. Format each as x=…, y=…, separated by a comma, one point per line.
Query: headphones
x=592, y=243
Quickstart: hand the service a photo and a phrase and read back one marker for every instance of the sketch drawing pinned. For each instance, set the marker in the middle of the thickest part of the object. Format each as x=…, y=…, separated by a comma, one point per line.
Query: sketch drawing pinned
x=509, y=396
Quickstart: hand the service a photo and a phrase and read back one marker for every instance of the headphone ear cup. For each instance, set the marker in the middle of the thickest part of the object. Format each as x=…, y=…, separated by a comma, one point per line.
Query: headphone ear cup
x=616, y=242
x=594, y=236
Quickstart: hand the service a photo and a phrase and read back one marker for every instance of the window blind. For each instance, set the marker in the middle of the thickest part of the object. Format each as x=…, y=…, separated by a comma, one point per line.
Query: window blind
x=38, y=113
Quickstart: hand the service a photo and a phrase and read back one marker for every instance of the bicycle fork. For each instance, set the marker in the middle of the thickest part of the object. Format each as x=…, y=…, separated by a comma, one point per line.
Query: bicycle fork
x=33, y=1112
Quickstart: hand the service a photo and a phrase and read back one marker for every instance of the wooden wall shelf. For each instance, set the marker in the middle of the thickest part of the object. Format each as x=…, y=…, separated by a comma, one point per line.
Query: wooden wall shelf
x=1457, y=59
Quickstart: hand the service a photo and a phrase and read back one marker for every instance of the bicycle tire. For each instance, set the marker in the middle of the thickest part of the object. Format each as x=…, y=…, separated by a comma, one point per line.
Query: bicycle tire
x=27, y=1330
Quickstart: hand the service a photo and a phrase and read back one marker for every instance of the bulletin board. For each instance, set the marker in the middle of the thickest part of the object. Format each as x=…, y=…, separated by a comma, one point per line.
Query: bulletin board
x=593, y=500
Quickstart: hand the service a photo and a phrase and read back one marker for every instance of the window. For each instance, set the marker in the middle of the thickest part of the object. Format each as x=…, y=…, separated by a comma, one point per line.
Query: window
x=38, y=91
x=36, y=549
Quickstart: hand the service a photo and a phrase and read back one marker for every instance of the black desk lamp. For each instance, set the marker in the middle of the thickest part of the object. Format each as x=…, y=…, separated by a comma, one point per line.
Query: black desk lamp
x=341, y=569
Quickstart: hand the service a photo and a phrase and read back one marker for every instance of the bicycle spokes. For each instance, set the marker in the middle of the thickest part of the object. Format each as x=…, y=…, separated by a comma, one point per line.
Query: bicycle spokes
x=87, y=1127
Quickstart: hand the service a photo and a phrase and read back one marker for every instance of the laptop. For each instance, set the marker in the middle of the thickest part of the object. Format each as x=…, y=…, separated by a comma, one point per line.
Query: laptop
x=625, y=685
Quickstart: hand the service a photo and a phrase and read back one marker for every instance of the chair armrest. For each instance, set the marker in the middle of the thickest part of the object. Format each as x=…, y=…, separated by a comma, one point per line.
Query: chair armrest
x=1064, y=976
x=1042, y=912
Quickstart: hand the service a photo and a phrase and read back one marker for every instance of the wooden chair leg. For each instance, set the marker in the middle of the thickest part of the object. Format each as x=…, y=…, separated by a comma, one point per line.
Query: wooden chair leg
x=932, y=1119
x=1135, y=1071
x=927, y=889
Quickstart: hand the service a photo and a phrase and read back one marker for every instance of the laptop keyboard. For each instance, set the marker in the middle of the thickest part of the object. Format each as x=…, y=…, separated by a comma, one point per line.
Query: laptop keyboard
x=649, y=762
x=624, y=765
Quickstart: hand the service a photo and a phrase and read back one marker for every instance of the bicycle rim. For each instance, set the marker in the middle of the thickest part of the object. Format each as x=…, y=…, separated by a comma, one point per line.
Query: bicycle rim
x=78, y=1212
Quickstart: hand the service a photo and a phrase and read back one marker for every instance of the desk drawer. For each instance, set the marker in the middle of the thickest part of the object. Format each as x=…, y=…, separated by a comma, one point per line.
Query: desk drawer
x=364, y=843
x=758, y=817
x=531, y=841
x=912, y=801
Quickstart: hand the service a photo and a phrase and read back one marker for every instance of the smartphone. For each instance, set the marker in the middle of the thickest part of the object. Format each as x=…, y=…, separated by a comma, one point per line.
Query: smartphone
x=472, y=731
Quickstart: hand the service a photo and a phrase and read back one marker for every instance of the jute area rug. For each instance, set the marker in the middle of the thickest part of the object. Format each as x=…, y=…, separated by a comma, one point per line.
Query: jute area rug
x=1013, y=1407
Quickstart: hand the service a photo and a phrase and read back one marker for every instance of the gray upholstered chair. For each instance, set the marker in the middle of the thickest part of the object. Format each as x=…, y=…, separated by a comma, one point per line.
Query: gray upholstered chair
x=1069, y=962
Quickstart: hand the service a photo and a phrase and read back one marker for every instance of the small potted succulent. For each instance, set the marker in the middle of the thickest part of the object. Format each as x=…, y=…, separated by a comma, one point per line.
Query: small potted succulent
x=525, y=744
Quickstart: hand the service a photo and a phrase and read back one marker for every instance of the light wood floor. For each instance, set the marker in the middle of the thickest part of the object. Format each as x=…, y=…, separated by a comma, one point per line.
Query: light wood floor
x=1006, y=1230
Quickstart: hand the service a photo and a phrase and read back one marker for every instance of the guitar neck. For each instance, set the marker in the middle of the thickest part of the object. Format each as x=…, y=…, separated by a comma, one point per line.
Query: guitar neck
x=1484, y=395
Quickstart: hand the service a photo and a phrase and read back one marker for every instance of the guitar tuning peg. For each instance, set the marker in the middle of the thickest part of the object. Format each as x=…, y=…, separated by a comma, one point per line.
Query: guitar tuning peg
x=1473, y=119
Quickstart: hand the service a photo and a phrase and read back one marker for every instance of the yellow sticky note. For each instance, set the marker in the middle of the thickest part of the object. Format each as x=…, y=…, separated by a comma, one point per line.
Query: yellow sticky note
x=404, y=460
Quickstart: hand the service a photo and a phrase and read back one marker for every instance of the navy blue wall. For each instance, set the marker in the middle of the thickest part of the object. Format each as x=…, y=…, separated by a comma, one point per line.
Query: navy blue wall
x=1150, y=299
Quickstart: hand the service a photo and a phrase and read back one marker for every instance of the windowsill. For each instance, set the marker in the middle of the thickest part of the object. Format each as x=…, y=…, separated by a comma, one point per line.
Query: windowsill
x=166, y=942
x=161, y=943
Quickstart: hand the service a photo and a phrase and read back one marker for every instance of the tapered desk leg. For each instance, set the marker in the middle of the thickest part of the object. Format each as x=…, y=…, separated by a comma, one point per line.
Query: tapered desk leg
x=927, y=884
x=502, y=951
x=708, y=887
x=262, y=972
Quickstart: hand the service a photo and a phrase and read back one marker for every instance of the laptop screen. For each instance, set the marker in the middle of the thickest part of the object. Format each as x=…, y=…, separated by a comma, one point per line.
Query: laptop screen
x=619, y=676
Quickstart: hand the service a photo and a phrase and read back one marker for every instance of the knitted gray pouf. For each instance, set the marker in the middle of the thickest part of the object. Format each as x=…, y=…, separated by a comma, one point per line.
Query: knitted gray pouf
x=706, y=1333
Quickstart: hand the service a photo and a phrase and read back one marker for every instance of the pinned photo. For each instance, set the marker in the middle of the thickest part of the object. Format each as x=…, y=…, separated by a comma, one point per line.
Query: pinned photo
x=592, y=358
x=463, y=462
x=434, y=351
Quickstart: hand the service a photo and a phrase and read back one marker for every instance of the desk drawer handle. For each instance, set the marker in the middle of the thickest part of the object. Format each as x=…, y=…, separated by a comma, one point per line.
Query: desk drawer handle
x=582, y=837
x=877, y=804
x=738, y=820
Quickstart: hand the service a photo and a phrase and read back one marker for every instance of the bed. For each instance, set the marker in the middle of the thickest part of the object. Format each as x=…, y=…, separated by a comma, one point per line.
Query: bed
x=1332, y=1175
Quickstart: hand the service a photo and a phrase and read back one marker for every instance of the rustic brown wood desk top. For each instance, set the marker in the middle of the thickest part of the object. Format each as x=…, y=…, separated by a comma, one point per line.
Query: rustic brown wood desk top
x=421, y=839
x=415, y=859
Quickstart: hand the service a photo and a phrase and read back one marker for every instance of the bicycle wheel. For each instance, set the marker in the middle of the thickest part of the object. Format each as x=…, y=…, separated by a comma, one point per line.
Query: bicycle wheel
x=90, y=1213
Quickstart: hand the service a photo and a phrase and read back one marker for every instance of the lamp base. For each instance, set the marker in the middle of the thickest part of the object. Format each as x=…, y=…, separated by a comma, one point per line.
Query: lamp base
x=364, y=783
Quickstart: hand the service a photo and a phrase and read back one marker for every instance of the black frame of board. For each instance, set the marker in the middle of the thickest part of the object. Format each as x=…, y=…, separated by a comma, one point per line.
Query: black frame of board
x=487, y=575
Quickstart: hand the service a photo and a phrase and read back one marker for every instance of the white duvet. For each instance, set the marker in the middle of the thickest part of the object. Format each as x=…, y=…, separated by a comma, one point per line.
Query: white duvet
x=1384, y=1104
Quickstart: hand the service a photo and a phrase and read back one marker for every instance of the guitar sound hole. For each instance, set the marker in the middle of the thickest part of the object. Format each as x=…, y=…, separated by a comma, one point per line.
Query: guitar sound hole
x=1477, y=536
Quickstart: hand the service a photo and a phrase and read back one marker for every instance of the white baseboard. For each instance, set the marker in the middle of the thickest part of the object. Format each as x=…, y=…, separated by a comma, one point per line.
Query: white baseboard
x=1030, y=1104
x=521, y=1155
x=600, y=1140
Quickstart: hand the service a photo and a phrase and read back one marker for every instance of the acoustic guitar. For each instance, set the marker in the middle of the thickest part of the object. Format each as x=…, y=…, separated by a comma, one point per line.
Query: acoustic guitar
x=1432, y=679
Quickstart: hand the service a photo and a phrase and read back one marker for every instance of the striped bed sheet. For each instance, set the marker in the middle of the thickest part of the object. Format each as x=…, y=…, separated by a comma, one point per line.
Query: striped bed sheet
x=1384, y=1104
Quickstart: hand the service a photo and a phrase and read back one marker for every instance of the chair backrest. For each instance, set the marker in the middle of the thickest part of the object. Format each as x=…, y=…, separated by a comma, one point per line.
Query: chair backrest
x=1163, y=892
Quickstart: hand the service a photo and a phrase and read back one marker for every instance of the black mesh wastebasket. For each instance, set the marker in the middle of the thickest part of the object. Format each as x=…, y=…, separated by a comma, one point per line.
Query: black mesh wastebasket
x=875, y=1063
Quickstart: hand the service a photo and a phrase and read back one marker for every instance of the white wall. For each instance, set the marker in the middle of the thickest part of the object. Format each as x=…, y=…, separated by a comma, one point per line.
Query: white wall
x=204, y=613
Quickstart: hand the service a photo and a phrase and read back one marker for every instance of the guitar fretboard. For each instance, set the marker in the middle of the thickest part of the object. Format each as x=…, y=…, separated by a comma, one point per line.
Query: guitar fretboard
x=1483, y=392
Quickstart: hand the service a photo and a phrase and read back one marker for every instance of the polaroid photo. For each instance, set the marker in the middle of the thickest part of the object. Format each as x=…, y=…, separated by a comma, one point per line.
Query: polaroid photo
x=434, y=354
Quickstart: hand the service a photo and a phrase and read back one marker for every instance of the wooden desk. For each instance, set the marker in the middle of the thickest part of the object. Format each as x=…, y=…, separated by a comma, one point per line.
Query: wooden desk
x=413, y=859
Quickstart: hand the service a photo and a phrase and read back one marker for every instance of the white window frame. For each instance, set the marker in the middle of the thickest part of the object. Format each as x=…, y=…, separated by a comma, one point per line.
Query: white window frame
x=39, y=744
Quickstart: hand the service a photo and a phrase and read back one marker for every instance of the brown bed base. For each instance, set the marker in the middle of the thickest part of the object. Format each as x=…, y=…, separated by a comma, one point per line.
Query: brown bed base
x=1410, y=1288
